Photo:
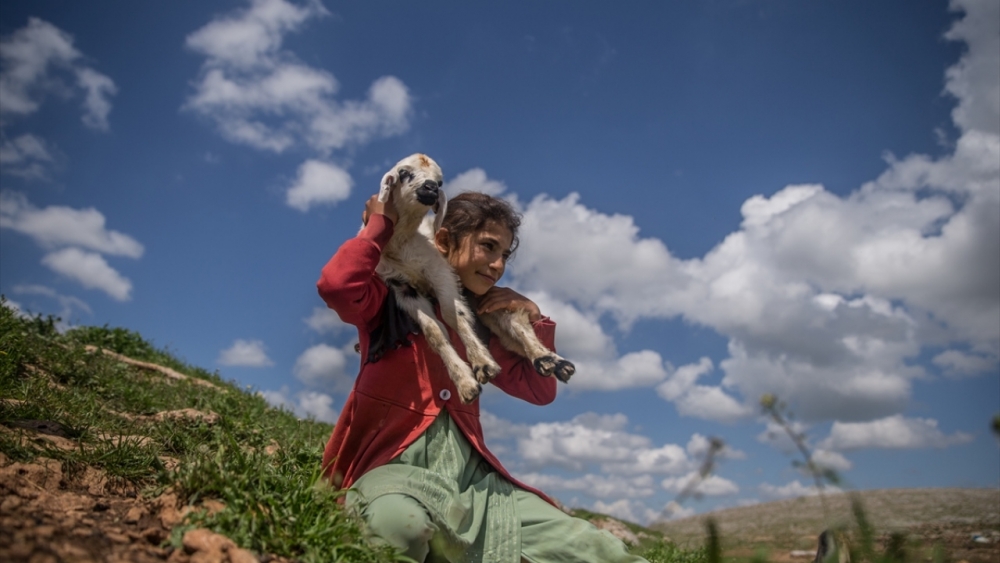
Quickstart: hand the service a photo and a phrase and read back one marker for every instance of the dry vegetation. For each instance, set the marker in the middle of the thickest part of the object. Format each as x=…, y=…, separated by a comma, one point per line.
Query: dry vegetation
x=946, y=519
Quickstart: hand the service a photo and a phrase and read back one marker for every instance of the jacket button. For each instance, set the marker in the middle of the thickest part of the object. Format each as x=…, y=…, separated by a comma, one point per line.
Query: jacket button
x=444, y=394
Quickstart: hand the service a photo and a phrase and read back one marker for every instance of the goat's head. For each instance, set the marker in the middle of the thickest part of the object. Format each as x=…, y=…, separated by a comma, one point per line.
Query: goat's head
x=415, y=183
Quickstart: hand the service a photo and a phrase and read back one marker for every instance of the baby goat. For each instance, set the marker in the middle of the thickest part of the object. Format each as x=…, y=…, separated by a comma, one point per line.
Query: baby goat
x=416, y=273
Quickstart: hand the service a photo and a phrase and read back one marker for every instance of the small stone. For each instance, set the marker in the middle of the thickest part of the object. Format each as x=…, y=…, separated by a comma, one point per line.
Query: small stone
x=116, y=536
x=45, y=531
x=213, y=506
x=201, y=539
x=240, y=555
x=10, y=503
x=82, y=532
x=135, y=514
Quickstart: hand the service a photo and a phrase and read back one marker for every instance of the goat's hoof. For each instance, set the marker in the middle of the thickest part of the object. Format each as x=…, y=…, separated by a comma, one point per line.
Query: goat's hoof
x=545, y=365
x=485, y=373
x=470, y=392
x=565, y=370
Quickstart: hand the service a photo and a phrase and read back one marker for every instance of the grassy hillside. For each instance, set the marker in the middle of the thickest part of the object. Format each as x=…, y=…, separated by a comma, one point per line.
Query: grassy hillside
x=932, y=523
x=113, y=449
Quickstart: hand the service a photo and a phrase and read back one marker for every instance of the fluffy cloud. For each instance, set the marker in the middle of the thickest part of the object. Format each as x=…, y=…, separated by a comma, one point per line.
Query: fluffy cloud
x=245, y=353
x=67, y=303
x=71, y=231
x=582, y=339
x=794, y=489
x=304, y=404
x=248, y=79
x=26, y=156
x=57, y=226
x=628, y=510
x=710, y=486
x=90, y=270
x=473, y=180
x=600, y=486
x=34, y=58
x=827, y=300
x=325, y=320
x=590, y=439
x=701, y=401
x=318, y=183
x=956, y=363
x=324, y=366
x=698, y=446
x=896, y=432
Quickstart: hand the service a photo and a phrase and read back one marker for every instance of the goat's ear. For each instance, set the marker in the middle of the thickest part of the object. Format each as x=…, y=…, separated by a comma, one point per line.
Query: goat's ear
x=440, y=208
x=388, y=181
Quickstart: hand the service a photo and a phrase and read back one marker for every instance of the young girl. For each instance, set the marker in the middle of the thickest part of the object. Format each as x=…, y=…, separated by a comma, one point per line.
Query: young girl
x=412, y=455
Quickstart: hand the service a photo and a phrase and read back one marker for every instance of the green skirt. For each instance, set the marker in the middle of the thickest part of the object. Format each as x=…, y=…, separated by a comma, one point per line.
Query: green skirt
x=480, y=517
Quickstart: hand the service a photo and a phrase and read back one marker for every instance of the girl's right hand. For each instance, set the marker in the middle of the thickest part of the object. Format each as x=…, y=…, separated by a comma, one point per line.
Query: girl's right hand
x=373, y=205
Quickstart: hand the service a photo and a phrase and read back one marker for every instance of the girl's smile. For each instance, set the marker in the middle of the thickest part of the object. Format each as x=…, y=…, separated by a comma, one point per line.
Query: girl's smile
x=481, y=257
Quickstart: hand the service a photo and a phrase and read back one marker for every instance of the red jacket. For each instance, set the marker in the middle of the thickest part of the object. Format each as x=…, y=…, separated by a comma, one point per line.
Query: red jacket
x=396, y=398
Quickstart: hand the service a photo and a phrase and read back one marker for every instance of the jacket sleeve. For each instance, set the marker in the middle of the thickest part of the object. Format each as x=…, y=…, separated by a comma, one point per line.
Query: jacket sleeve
x=348, y=283
x=518, y=377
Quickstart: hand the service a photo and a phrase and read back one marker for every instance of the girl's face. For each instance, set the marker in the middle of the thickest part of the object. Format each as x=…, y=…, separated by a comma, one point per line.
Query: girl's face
x=480, y=258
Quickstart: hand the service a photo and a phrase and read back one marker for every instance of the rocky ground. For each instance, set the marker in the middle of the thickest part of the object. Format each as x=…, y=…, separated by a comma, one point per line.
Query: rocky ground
x=48, y=514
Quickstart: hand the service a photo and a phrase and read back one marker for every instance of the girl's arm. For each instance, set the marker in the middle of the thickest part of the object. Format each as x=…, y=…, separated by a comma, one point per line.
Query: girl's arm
x=348, y=283
x=518, y=377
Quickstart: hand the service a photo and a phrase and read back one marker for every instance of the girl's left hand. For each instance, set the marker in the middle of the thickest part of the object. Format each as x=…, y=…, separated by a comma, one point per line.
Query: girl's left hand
x=498, y=298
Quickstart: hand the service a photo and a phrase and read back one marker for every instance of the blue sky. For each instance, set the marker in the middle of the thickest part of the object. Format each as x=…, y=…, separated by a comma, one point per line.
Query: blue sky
x=722, y=199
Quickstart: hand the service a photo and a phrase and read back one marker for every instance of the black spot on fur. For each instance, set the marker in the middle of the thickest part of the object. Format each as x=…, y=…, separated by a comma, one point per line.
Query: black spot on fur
x=396, y=324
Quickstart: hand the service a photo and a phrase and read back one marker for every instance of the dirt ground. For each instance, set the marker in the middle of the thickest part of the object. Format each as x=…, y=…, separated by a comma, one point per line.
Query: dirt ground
x=49, y=516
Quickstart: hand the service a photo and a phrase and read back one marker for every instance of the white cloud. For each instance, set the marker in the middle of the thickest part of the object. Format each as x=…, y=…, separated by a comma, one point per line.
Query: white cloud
x=701, y=401
x=97, y=104
x=674, y=511
x=32, y=56
x=973, y=81
x=591, y=438
x=318, y=183
x=324, y=366
x=91, y=270
x=581, y=339
x=261, y=95
x=956, y=363
x=628, y=510
x=826, y=300
x=68, y=304
x=831, y=460
x=318, y=405
x=473, y=180
x=26, y=156
x=711, y=486
x=325, y=320
x=895, y=432
x=599, y=486
x=56, y=226
x=304, y=404
x=698, y=446
x=794, y=489
x=245, y=353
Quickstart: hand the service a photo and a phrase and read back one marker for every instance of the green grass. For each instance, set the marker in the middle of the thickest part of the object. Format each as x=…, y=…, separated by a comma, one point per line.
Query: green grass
x=273, y=503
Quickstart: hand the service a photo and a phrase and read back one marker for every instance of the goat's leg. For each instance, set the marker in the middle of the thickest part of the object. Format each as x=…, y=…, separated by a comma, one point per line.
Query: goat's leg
x=437, y=338
x=456, y=314
x=516, y=335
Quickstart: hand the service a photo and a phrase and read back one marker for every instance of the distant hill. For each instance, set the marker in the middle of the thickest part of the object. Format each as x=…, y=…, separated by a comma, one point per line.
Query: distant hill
x=946, y=517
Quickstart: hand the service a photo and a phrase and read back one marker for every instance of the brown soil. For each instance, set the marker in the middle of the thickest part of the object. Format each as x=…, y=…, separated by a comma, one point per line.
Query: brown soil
x=50, y=514
x=946, y=519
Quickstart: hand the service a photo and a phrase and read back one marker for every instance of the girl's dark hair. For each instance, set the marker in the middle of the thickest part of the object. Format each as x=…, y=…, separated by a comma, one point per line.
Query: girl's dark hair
x=470, y=211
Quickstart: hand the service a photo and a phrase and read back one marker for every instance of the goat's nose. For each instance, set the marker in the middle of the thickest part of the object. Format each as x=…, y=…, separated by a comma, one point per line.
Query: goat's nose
x=427, y=193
